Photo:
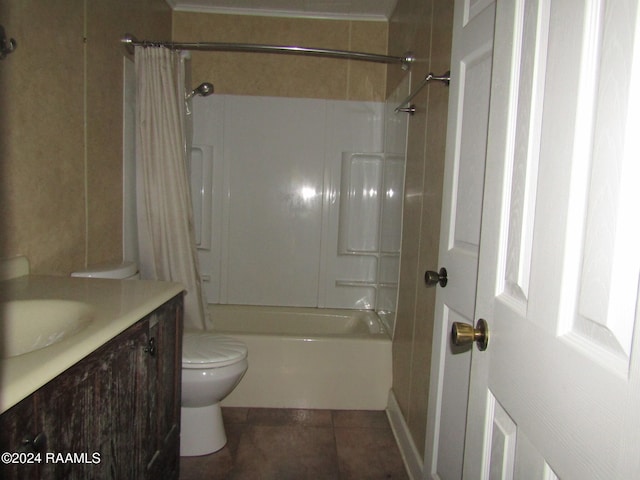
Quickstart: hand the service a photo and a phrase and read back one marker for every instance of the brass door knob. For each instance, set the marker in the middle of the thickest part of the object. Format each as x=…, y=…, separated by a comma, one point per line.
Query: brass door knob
x=463, y=334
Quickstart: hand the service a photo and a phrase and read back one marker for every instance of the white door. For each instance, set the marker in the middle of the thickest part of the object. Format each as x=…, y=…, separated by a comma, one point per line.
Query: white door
x=557, y=392
x=471, y=62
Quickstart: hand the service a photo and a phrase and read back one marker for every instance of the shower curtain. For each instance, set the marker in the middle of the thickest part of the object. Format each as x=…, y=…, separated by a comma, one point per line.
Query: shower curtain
x=166, y=237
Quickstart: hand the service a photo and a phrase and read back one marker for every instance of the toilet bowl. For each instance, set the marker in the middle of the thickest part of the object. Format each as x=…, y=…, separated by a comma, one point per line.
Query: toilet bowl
x=212, y=366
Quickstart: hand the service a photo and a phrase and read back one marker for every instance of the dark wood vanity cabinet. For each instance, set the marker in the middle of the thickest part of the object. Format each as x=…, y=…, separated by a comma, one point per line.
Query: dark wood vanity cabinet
x=115, y=414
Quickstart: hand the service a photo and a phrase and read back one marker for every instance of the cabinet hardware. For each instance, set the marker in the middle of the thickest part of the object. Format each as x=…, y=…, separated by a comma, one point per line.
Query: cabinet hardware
x=151, y=347
x=30, y=444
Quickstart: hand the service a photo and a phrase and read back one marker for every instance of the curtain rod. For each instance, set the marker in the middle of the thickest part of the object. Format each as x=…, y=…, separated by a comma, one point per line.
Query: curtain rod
x=130, y=41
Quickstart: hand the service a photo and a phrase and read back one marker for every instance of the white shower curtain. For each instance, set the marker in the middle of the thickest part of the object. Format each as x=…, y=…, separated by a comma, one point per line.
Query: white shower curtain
x=165, y=218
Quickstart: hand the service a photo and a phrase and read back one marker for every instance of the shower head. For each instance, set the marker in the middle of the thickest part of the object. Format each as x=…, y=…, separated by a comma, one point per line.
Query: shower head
x=204, y=89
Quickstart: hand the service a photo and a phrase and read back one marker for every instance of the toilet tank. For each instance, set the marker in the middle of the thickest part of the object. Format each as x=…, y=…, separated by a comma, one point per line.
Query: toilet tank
x=121, y=271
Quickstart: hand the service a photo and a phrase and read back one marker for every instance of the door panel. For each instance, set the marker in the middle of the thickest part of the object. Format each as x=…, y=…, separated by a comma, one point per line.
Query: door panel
x=474, y=78
x=455, y=389
x=530, y=38
x=559, y=263
x=502, y=450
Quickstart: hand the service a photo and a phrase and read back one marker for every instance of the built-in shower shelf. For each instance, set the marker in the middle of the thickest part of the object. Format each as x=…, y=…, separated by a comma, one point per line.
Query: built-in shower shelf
x=370, y=253
x=360, y=253
x=371, y=186
x=361, y=283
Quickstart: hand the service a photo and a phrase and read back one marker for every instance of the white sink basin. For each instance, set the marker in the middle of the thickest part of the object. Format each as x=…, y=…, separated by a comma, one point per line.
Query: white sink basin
x=30, y=325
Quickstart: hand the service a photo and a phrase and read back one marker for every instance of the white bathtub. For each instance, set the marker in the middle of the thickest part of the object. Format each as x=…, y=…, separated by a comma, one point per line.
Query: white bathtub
x=308, y=357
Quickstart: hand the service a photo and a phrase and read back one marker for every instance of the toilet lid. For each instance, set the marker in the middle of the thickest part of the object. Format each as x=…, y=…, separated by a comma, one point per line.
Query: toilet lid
x=118, y=271
x=200, y=348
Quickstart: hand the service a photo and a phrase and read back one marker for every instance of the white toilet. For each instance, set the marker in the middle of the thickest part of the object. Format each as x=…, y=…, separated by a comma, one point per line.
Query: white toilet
x=212, y=365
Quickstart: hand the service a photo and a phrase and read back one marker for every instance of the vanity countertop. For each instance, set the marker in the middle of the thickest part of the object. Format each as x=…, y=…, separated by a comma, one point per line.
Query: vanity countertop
x=116, y=304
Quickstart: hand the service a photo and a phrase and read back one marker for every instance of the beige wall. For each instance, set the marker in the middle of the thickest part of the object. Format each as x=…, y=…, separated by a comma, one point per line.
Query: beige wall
x=286, y=75
x=425, y=28
x=61, y=181
x=60, y=156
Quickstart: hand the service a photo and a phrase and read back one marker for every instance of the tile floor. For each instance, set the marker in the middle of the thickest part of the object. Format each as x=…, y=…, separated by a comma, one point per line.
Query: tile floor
x=290, y=444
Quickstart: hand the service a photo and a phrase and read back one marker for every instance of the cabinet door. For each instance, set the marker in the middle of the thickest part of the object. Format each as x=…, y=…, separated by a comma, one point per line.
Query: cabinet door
x=17, y=428
x=165, y=369
x=89, y=413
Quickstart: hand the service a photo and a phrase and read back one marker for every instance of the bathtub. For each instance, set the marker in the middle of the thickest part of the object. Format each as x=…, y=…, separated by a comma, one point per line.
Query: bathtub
x=309, y=357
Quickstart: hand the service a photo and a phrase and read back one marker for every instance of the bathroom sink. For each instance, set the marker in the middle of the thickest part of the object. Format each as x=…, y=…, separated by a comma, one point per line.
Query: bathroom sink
x=30, y=325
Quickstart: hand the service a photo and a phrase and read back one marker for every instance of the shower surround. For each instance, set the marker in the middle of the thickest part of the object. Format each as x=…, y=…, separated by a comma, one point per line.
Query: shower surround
x=273, y=209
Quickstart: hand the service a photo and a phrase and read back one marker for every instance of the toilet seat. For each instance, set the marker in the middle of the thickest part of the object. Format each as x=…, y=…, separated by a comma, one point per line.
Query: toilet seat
x=210, y=350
